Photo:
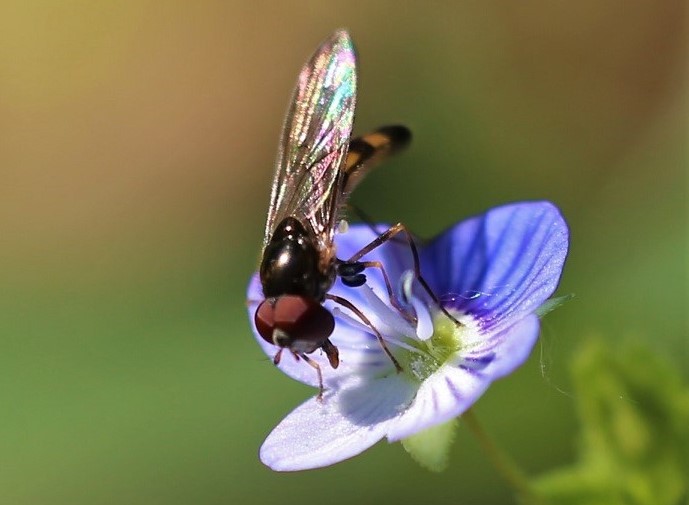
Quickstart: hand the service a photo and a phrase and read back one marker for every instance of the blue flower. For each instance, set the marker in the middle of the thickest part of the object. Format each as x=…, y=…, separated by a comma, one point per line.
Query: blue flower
x=491, y=272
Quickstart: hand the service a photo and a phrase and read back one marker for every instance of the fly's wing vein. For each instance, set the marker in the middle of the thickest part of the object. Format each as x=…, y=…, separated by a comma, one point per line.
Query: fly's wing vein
x=308, y=180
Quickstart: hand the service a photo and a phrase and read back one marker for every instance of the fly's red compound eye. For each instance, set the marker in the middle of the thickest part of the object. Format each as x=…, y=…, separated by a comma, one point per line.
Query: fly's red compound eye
x=264, y=318
x=296, y=319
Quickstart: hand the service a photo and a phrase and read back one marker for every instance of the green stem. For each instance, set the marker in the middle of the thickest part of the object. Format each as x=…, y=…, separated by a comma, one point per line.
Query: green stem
x=504, y=465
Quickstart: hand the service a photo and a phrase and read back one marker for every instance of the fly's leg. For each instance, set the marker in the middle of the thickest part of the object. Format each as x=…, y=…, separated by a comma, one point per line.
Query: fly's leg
x=368, y=221
x=346, y=303
x=390, y=234
x=311, y=362
x=352, y=276
x=318, y=371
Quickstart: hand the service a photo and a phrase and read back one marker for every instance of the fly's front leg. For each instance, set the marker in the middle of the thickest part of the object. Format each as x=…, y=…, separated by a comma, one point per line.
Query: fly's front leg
x=390, y=234
x=320, y=375
x=346, y=303
x=352, y=275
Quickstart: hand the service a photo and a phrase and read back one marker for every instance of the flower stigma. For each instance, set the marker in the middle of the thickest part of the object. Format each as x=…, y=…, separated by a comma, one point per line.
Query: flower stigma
x=446, y=341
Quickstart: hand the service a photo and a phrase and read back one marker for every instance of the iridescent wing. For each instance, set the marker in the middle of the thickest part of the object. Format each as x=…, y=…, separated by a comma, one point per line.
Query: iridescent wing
x=309, y=182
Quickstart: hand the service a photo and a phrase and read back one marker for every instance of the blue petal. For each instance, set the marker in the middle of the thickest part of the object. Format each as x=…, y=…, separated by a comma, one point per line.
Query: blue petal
x=460, y=383
x=500, y=266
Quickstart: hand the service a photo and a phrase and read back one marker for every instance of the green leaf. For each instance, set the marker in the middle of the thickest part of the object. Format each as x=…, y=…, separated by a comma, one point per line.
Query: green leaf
x=431, y=448
x=634, y=443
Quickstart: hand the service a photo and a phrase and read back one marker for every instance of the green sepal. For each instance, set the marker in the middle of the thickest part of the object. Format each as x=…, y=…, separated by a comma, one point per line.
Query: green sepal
x=431, y=448
x=552, y=304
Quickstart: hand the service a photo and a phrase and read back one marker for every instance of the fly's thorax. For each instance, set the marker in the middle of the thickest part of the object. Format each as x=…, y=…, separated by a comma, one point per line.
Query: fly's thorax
x=292, y=264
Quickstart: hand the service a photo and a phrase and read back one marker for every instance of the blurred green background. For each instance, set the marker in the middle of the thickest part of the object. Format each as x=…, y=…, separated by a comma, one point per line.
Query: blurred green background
x=136, y=152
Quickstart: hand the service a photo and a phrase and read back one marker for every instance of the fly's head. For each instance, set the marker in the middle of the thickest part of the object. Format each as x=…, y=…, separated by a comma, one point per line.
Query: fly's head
x=294, y=322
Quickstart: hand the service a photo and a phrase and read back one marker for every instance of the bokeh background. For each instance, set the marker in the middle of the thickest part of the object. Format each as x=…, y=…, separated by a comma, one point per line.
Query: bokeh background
x=136, y=149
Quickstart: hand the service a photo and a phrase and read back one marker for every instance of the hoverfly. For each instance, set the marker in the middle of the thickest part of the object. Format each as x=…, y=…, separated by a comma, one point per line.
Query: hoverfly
x=318, y=166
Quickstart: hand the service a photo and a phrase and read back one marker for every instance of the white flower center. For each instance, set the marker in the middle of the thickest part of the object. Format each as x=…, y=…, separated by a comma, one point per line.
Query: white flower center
x=448, y=339
x=420, y=336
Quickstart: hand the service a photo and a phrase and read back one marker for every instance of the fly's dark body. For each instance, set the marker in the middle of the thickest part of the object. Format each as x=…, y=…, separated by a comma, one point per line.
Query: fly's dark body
x=318, y=166
x=291, y=263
